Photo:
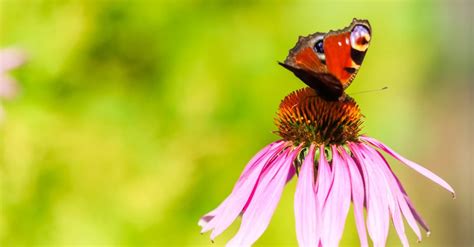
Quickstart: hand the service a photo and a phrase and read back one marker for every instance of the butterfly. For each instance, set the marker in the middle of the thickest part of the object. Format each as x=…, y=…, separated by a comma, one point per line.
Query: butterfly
x=328, y=62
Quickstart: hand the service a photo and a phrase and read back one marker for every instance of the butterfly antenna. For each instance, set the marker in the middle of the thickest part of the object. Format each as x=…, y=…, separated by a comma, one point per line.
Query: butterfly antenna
x=370, y=91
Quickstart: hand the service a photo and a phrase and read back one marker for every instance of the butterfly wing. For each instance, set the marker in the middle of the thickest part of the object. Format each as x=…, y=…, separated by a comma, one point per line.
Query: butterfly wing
x=308, y=67
x=331, y=67
x=345, y=50
x=327, y=86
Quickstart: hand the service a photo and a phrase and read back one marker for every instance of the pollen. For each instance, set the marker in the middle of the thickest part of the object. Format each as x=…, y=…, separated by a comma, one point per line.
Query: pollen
x=304, y=117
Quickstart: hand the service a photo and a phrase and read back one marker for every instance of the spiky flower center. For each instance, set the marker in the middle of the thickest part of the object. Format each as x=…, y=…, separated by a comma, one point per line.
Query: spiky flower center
x=305, y=117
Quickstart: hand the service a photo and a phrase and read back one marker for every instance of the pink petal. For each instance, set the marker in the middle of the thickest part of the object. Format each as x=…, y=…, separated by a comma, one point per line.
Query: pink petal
x=291, y=174
x=323, y=186
x=228, y=210
x=206, y=218
x=267, y=194
x=243, y=190
x=324, y=179
x=418, y=217
x=392, y=193
x=8, y=87
x=11, y=58
x=376, y=197
x=278, y=145
x=402, y=198
x=337, y=205
x=357, y=186
x=425, y=172
x=409, y=211
x=305, y=203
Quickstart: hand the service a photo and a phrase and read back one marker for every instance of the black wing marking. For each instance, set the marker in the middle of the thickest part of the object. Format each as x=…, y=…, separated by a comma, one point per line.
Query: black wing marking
x=326, y=85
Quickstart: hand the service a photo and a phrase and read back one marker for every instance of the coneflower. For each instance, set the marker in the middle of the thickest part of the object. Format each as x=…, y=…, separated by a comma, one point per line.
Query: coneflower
x=335, y=165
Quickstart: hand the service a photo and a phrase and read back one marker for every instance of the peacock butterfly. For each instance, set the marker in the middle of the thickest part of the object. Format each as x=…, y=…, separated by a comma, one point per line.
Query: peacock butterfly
x=328, y=62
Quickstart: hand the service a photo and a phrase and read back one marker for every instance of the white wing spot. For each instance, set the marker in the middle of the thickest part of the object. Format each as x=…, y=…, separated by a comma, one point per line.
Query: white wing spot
x=339, y=43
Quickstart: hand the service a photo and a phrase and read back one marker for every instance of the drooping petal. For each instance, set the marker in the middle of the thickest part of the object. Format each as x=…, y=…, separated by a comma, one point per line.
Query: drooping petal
x=418, y=217
x=409, y=211
x=392, y=191
x=402, y=197
x=357, y=188
x=277, y=147
x=253, y=162
x=305, y=203
x=204, y=220
x=228, y=210
x=337, y=205
x=265, y=199
x=420, y=169
x=242, y=193
x=376, y=197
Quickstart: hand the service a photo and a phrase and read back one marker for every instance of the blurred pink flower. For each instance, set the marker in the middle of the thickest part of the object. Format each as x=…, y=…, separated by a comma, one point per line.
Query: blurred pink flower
x=10, y=58
x=351, y=169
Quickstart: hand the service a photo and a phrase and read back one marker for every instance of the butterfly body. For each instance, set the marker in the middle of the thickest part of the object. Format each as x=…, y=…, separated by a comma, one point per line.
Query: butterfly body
x=328, y=62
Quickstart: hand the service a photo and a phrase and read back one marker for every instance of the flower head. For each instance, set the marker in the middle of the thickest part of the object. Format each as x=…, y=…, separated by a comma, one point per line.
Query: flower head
x=335, y=165
x=304, y=117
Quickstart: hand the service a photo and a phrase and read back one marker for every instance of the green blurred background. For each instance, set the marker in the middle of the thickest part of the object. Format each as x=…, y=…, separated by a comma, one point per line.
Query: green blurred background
x=136, y=117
